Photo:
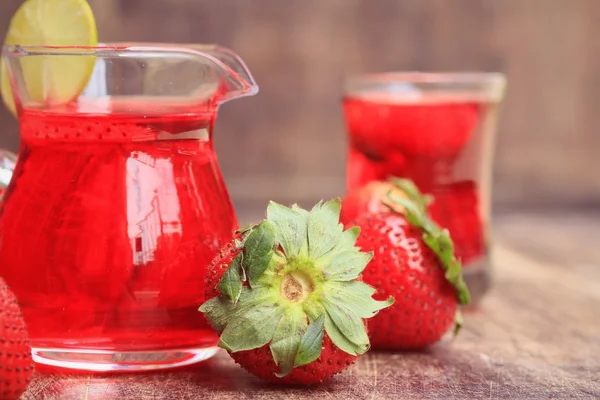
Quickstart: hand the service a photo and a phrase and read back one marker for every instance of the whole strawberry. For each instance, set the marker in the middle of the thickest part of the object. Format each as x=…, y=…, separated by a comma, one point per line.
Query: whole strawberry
x=16, y=365
x=414, y=262
x=286, y=297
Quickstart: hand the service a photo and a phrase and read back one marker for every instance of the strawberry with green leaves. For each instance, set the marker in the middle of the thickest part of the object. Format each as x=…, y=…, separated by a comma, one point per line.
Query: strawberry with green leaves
x=286, y=295
x=413, y=261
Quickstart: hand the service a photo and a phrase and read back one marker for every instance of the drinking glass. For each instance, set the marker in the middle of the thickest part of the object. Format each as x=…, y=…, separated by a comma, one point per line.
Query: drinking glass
x=438, y=130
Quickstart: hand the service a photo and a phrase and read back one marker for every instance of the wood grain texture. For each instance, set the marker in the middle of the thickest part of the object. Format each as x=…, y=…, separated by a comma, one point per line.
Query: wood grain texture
x=290, y=141
x=536, y=335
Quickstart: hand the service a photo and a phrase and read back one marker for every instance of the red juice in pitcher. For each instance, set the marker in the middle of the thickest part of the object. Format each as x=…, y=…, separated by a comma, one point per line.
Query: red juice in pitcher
x=117, y=203
x=437, y=131
x=108, y=226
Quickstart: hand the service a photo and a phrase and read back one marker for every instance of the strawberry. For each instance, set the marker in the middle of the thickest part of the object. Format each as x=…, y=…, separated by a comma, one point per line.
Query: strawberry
x=434, y=130
x=221, y=261
x=414, y=261
x=16, y=365
x=369, y=128
x=286, y=297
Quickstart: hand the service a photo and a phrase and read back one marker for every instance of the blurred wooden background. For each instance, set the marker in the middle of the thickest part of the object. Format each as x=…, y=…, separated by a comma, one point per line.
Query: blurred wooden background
x=288, y=143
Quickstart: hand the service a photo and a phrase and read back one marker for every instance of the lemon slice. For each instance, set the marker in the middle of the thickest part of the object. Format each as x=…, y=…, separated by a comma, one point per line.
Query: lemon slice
x=50, y=78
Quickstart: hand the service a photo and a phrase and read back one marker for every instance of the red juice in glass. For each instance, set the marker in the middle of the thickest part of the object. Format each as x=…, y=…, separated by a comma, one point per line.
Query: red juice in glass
x=117, y=205
x=438, y=130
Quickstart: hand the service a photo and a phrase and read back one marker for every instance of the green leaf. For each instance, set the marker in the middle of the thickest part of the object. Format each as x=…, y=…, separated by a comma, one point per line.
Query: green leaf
x=313, y=308
x=312, y=342
x=413, y=192
x=348, y=239
x=231, y=282
x=428, y=200
x=219, y=310
x=246, y=228
x=441, y=244
x=356, y=289
x=347, y=266
x=252, y=329
x=414, y=213
x=304, y=213
x=458, y=323
x=356, y=296
x=340, y=340
x=300, y=210
x=348, y=322
x=287, y=338
x=258, y=251
x=324, y=228
x=454, y=276
x=345, y=243
x=290, y=228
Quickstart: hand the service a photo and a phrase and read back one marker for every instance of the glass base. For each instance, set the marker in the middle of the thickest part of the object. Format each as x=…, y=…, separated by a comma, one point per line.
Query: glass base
x=127, y=361
x=477, y=276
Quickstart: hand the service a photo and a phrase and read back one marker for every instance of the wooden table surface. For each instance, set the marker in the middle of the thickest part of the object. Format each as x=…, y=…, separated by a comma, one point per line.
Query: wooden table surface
x=535, y=335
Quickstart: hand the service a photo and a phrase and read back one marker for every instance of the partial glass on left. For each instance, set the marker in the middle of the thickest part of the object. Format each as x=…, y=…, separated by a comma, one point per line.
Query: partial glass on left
x=117, y=202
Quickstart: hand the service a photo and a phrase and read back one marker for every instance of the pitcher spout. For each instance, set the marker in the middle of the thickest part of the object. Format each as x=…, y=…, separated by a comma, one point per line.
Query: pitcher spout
x=239, y=81
x=219, y=69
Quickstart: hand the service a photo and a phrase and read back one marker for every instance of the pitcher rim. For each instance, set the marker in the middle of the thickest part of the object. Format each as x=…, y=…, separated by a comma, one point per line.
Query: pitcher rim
x=37, y=49
x=250, y=85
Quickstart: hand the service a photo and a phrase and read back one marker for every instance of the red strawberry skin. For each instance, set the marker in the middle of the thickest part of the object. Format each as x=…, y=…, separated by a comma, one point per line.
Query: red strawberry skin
x=403, y=266
x=16, y=364
x=260, y=363
x=216, y=269
x=219, y=265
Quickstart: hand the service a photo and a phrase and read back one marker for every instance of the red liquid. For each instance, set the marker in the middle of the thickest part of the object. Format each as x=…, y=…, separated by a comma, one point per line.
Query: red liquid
x=438, y=145
x=105, y=230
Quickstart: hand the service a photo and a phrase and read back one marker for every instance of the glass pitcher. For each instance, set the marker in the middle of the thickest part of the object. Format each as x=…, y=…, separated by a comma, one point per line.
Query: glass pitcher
x=438, y=130
x=117, y=203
